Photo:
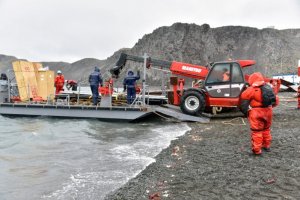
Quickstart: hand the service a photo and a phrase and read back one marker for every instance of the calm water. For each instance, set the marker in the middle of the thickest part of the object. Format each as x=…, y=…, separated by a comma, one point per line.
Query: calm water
x=45, y=158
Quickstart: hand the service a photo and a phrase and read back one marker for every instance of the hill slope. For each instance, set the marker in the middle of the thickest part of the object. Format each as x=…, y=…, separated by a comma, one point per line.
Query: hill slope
x=276, y=51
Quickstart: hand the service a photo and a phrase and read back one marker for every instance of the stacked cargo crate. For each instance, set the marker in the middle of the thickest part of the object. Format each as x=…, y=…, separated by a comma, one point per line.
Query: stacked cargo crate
x=34, y=82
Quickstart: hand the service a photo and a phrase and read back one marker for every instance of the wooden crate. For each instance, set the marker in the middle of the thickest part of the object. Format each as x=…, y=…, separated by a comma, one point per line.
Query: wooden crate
x=26, y=79
x=37, y=66
x=45, y=80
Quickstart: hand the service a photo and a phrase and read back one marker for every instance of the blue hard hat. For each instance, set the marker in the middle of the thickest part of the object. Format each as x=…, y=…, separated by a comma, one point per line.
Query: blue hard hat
x=97, y=69
x=130, y=72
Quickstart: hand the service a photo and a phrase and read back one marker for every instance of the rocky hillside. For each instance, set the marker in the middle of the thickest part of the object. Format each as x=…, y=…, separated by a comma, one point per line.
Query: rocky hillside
x=276, y=51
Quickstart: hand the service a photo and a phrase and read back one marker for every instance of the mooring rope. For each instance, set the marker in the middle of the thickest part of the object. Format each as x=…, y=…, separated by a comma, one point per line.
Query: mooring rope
x=233, y=124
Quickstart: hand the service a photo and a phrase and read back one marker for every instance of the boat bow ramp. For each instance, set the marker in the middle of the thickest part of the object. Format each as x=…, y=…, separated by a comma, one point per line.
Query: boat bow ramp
x=175, y=112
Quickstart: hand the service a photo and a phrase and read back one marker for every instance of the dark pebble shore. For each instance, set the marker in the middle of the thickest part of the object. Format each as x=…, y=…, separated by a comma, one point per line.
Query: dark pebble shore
x=214, y=161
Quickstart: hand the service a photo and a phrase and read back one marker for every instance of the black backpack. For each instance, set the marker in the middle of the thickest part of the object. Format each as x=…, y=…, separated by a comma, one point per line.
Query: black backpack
x=268, y=96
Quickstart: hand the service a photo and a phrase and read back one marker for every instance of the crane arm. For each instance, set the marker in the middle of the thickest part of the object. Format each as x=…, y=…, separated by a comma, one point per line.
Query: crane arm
x=125, y=57
x=178, y=68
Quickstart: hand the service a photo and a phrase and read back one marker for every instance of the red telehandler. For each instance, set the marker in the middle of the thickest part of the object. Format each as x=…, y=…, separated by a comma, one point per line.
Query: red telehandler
x=223, y=83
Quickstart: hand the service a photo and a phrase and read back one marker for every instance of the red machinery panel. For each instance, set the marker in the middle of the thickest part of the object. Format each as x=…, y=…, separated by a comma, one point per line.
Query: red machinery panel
x=189, y=70
x=246, y=63
x=222, y=102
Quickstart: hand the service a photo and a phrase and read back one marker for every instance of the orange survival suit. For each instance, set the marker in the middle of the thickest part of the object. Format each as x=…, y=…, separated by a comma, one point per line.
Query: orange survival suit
x=260, y=118
x=59, y=83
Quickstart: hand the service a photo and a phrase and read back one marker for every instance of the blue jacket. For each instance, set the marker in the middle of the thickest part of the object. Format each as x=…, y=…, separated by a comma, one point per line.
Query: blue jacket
x=130, y=79
x=95, y=77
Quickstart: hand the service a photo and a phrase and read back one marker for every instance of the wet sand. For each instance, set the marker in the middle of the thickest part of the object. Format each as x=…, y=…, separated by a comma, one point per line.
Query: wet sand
x=214, y=161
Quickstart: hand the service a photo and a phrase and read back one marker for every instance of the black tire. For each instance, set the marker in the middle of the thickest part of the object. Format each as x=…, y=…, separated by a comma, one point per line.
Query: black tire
x=192, y=103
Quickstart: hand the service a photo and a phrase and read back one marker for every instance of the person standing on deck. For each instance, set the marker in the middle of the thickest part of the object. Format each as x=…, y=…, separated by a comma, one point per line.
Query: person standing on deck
x=59, y=82
x=95, y=79
x=3, y=77
x=129, y=84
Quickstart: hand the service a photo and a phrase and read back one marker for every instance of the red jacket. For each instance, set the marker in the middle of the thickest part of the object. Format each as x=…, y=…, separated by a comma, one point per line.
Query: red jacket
x=59, y=80
x=253, y=93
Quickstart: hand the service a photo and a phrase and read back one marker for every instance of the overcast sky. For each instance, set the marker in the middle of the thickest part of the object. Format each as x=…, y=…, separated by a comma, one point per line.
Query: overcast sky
x=69, y=30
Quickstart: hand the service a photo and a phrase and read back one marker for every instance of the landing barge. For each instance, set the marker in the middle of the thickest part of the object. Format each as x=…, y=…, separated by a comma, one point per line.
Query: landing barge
x=62, y=105
x=113, y=113
x=20, y=87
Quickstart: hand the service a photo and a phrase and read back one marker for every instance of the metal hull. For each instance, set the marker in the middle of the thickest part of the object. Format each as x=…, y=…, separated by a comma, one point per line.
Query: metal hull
x=106, y=113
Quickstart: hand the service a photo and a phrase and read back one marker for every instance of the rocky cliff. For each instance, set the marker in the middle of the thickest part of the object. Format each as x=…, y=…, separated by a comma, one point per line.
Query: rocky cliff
x=276, y=51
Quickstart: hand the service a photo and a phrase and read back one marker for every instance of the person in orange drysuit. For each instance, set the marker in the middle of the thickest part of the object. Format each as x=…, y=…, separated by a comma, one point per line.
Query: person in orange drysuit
x=260, y=118
x=59, y=82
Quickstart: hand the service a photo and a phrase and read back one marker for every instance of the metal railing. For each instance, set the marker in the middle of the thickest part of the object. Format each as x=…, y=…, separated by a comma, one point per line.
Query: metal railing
x=64, y=95
x=138, y=97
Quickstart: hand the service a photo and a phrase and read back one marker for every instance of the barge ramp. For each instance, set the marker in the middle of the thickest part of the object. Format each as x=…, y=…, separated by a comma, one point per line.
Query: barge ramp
x=175, y=112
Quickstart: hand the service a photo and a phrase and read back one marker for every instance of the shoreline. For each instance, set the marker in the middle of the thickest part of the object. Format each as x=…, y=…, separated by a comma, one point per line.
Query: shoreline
x=214, y=161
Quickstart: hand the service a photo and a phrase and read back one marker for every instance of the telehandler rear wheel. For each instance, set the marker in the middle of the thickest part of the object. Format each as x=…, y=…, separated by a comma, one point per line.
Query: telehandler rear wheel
x=192, y=103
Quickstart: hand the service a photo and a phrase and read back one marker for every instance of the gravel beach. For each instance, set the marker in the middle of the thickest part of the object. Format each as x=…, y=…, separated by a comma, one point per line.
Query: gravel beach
x=214, y=161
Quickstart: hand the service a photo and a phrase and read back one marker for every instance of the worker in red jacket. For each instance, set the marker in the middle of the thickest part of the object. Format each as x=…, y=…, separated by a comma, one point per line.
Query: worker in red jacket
x=259, y=116
x=59, y=82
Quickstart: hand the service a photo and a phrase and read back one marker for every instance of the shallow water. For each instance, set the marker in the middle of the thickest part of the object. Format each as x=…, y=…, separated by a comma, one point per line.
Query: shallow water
x=46, y=158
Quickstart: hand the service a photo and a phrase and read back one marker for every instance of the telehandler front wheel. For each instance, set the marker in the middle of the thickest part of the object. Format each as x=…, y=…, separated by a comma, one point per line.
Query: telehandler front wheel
x=192, y=103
